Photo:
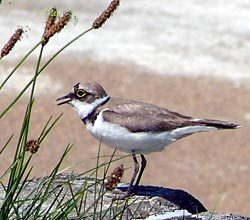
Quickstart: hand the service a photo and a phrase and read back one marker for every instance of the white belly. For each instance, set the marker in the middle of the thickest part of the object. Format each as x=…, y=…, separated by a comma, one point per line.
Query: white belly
x=121, y=138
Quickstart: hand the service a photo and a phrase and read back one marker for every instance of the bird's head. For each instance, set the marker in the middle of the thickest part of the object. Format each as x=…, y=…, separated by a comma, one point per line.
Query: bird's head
x=85, y=98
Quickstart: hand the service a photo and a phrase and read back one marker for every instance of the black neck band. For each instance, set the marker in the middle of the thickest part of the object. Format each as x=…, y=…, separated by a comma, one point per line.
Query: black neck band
x=91, y=116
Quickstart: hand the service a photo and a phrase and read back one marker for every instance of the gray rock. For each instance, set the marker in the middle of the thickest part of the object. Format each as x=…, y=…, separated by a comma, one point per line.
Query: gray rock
x=149, y=202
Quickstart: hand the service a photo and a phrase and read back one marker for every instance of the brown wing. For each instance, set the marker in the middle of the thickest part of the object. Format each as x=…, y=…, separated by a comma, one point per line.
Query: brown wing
x=141, y=117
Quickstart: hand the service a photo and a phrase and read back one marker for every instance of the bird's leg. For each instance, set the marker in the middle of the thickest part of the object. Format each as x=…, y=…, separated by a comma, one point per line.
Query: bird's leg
x=143, y=165
x=136, y=169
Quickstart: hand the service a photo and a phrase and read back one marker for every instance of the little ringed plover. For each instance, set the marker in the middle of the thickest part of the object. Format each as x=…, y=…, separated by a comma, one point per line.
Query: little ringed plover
x=131, y=126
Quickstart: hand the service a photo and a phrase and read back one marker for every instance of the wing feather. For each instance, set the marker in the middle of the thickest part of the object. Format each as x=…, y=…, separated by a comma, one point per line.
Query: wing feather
x=142, y=117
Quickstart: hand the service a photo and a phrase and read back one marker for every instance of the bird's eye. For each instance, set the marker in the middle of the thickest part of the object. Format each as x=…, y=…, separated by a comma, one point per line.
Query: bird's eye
x=80, y=93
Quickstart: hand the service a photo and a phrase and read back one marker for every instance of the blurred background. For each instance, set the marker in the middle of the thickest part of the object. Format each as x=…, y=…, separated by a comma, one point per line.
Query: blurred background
x=189, y=56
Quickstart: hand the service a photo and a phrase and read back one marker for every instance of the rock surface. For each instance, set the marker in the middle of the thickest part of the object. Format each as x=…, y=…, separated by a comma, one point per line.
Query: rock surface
x=149, y=202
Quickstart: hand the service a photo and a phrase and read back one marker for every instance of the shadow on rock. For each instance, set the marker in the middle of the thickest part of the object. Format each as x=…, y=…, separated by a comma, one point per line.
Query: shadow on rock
x=178, y=197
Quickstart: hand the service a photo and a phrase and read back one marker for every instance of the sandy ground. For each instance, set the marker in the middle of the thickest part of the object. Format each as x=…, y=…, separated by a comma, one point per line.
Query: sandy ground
x=206, y=165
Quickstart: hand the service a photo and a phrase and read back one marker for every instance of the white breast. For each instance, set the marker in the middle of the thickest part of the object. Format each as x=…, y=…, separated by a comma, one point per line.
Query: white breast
x=121, y=138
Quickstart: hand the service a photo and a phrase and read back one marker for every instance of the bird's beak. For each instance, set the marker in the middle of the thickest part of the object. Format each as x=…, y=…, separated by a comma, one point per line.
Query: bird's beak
x=64, y=99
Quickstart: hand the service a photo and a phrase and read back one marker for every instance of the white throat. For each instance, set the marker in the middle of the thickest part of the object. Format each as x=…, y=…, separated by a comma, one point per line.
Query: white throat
x=84, y=109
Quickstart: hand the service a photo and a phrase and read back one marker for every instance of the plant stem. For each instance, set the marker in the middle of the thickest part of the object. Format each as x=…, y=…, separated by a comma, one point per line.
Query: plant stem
x=40, y=71
x=33, y=90
x=19, y=64
x=63, y=48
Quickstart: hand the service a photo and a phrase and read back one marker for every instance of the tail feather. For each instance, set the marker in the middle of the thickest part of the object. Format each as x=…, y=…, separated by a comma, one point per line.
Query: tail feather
x=217, y=123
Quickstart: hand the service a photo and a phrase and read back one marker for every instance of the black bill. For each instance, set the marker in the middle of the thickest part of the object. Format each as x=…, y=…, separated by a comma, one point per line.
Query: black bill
x=64, y=99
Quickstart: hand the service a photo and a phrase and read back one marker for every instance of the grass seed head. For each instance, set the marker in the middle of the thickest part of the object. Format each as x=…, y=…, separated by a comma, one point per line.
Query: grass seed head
x=115, y=178
x=11, y=43
x=50, y=21
x=99, y=21
x=56, y=27
x=32, y=146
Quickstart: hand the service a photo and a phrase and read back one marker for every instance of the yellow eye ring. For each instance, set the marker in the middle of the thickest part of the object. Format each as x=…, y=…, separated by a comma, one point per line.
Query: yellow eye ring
x=80, y=93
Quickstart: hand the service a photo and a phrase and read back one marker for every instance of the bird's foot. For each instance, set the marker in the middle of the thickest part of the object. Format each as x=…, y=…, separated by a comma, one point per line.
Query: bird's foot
x=118, y=194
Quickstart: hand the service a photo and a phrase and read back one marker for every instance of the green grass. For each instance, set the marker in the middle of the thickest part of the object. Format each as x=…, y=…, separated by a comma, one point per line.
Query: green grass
x=64, y=199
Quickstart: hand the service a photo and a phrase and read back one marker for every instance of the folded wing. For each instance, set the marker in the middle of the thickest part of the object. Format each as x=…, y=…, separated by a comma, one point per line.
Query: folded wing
x=143, y=117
